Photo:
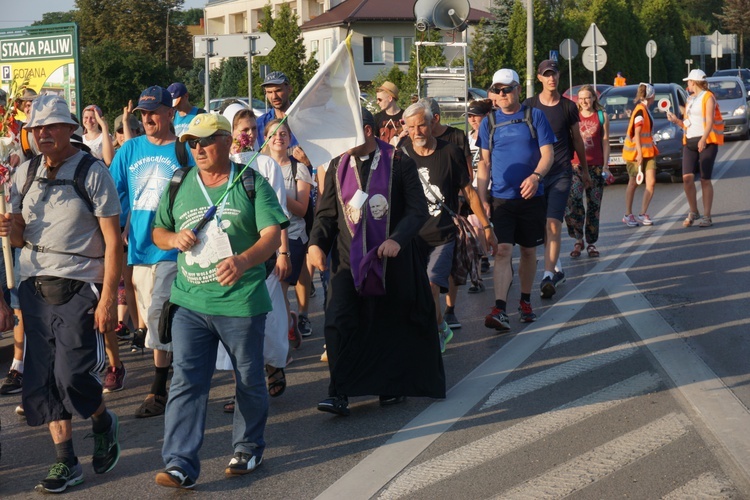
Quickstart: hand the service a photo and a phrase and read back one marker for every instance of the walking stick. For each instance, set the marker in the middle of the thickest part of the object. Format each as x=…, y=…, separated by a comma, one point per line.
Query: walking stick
x=7, y=255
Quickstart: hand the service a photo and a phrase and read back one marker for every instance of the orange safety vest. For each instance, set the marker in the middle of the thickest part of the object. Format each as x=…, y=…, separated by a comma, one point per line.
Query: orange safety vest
x=619, y=81
x=716, y=136
x=648, y=148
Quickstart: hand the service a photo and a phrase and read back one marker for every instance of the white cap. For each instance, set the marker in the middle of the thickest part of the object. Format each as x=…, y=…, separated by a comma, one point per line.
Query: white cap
x=505, y=77
x=232, y=110
x=696, y=75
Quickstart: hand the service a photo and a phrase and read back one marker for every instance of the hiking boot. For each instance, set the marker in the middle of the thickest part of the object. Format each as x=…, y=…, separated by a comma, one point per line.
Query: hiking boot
x=106, y=447
x=294, y=335
x=13, y=383
x=338, y=405
x=629, y=220
x=526, y=315
x=175, y=477
x=114, y=380
x=139, y=340
x=498, y=320
x=59, y=477
x=242, y=463
x=122, y=331
x=645, y=220
x=547, y=287
x=452, y=321
x=445, y=336
x=304, y=326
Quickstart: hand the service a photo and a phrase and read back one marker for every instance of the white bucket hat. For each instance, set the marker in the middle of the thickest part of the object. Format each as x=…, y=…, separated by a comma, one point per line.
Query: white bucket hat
x=49, y=110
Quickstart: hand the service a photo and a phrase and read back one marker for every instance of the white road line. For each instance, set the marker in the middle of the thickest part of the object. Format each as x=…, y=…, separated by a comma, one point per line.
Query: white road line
x=564, y=371
x=521, y=434
x=370, y=475
x=583, y=331
x=706, y=486
x=603, y=460
x=722, y=413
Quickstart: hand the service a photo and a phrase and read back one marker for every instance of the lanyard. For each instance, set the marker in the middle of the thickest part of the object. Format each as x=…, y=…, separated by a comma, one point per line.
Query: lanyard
x=213, y=209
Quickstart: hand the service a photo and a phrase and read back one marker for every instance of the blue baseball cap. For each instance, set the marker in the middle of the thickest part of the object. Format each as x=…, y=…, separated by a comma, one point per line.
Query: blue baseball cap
x=153, y=97
x=177, y=89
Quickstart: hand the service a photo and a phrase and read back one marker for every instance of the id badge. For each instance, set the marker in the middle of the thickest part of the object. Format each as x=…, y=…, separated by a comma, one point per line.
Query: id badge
x=686, y=122
x=221, y=244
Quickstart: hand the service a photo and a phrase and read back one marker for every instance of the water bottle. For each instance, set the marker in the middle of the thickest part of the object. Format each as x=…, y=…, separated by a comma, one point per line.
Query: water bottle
x=608, y=178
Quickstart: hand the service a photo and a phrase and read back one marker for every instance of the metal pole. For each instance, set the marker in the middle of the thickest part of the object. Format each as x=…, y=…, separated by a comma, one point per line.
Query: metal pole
x=596, y=62
x=649, y=69
x=207, y=69
x=570, y=66
x=466, y=86
x=529, y=48
x=250, y=53
x=717, y=50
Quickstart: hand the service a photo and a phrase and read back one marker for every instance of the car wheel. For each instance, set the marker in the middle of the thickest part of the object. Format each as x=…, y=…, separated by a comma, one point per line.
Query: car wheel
x=676, y=176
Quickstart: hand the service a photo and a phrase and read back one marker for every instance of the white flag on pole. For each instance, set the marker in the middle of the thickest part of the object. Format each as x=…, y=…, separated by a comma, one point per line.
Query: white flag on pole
x=326, y=117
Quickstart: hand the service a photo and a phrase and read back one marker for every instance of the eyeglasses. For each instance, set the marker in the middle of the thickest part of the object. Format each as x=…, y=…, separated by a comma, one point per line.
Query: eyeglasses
x=504, y=90
x=379, y=99
x=204, y=141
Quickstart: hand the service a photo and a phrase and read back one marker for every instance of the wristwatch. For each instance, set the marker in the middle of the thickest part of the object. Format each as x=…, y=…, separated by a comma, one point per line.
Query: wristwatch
x=489, y=226
x=288, y=254
x=539, y=176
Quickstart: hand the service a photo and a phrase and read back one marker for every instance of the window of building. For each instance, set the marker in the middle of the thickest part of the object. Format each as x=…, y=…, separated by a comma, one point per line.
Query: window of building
x=373, y=48
x=327, y=48
x=315, y=49
x=402, y=48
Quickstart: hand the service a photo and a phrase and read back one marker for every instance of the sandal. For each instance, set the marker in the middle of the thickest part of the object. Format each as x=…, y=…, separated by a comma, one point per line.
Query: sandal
x=153, y=406
x=577, y=248
x=691, y=217
x=276, y=384
x=593, y=252
x=229, y=406
x=705, y=222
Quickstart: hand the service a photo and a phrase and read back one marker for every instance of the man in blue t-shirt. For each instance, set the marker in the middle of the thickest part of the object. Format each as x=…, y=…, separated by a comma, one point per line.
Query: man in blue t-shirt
x=516, y=163
x=142, y=170
x=184, y=111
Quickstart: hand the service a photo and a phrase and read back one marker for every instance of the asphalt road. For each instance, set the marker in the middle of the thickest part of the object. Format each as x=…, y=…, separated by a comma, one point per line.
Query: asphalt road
x=632, y=383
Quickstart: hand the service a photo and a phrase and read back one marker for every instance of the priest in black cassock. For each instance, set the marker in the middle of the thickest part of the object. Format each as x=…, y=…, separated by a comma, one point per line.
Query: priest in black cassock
x=380, y=326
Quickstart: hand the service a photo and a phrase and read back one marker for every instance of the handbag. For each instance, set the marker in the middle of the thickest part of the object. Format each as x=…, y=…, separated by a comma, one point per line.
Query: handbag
x=165, y=322
x=57, y=291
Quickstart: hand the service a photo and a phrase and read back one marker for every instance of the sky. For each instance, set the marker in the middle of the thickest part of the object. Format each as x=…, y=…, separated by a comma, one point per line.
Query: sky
x=25, y=12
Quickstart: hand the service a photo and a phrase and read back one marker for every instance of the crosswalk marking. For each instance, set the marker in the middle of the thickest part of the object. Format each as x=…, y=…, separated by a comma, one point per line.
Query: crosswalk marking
x=704, y=487
x=521, y=434
x=583, y=331
x=564, y=371
x=603, y=460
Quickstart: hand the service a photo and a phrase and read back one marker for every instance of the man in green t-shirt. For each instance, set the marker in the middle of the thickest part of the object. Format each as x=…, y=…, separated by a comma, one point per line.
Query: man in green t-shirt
x=220, y=295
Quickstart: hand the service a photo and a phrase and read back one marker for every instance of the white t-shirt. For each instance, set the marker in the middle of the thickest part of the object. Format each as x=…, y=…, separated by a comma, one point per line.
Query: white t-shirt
x=296, y=227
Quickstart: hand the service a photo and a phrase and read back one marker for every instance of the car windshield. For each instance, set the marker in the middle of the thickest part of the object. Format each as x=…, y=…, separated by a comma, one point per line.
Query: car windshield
x=726, y=89
x=619, y=105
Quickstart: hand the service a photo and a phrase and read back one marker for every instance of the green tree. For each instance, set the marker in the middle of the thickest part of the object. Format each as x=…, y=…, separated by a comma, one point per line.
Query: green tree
x=661, y=22
x=191, y=78
x=488, y=50
x=111, y=75
x=735, y=18
x=56, y=18
x=626, y=40
x=233, y=75
x=190, y=17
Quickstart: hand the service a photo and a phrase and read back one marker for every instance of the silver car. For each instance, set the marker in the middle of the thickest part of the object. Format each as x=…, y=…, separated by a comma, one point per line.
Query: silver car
x=732, y=97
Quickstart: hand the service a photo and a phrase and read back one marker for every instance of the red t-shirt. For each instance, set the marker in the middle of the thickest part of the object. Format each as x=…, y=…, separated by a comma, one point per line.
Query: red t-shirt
x=591, y=133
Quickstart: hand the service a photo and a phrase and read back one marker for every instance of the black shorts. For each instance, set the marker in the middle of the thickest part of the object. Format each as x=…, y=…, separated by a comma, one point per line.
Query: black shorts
x=298, y=250
x=694, y=162
x=520, y=221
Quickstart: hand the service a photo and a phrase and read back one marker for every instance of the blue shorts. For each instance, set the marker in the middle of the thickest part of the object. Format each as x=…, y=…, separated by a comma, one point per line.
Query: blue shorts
x=440, y=264
x=298, y=250
x=556, y=192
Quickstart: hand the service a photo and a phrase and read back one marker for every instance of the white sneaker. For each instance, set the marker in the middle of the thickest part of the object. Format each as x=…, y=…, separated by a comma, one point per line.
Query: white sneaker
x=629, y=220
x=645, y=220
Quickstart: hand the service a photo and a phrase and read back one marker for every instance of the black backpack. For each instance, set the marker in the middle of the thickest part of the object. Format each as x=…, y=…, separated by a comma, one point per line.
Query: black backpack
x=526, y=119
x=78, y=181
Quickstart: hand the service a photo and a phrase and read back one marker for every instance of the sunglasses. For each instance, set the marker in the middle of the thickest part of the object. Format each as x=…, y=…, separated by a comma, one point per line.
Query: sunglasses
x=504, y=90
x=204, y=141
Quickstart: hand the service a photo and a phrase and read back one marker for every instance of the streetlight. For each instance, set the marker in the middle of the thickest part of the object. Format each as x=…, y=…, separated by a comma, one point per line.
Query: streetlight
x=529, y=48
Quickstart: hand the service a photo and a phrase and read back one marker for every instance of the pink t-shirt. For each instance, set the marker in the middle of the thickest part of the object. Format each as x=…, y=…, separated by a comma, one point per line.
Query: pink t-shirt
x=591, y=133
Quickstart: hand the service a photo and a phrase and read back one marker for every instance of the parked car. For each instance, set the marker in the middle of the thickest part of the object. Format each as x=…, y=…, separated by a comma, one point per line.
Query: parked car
x=572, y=92
x=259, y=107
x=618, y=104
x=456, y=105
x=742, y=73
x=731, y=94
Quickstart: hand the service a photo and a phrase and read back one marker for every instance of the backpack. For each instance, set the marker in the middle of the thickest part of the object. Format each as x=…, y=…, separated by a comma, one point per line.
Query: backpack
x=388, y=130
x=526, y=119
x=78, y=181
x=248, y=182
x=600, y=113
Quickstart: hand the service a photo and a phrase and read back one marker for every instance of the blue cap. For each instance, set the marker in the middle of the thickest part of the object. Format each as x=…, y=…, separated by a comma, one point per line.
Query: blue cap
x=153, y=97
x=177, y=89
x=275, y=78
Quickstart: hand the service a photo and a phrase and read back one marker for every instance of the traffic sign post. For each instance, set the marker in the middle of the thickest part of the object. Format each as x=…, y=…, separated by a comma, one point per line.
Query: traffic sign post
x=237, y=45
x=593, y=41
x=651, y=53
x=569, y=50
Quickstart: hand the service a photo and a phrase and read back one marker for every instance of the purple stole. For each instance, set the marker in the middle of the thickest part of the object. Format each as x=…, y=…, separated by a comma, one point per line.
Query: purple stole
x=370, y=231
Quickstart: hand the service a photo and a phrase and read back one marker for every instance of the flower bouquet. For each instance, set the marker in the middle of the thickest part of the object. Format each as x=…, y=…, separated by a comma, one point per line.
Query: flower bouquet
x=242, y=149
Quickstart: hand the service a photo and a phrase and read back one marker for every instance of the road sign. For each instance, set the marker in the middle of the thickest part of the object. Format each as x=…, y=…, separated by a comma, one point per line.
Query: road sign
x=651, y=49
x=569, y=49
x=554, y=55
x=593, y=37
x=588, y=58
x=237, y=45
x=716, y=51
